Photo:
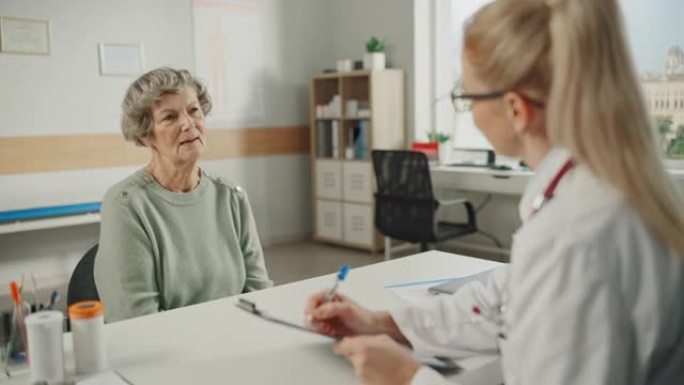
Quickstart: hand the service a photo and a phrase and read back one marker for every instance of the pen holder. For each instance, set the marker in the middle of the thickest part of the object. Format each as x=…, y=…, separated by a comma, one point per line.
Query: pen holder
x=12, y=337
x=87, y=327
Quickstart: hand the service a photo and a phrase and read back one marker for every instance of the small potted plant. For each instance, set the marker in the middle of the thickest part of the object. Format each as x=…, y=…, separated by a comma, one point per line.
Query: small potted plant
x=374, y=58
x=442, y=139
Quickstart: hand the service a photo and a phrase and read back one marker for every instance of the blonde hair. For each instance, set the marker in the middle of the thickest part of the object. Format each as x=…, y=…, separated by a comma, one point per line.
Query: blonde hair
x=136, y=121
x=573, y=53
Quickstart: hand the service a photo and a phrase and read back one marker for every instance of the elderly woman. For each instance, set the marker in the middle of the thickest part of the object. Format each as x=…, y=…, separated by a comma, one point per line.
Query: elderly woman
x=173, y=235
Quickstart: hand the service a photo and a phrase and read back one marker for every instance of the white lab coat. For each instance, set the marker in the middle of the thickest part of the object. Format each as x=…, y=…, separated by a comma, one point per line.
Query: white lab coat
x=590, y=296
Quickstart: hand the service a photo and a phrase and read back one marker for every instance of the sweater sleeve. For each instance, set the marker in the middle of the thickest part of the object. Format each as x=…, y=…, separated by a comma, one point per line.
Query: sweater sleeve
x=255, y=267
x=125, y=265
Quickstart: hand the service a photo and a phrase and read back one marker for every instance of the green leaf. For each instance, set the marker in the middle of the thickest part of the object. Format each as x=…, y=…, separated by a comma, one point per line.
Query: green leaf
x=374, y=45
x=437, y=136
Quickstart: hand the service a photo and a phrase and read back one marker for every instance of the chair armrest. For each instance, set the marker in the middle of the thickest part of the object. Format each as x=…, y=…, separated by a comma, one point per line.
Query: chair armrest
x=447, y=202
x=468, y=206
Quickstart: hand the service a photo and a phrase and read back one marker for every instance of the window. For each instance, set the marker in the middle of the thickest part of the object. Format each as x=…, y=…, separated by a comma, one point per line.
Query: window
x=450, y=18
x=655, y=35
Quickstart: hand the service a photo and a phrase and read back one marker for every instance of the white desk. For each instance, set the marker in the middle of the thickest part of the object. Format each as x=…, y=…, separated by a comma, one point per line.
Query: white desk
x=216, y=342
x=510, y=182
x=49, y=223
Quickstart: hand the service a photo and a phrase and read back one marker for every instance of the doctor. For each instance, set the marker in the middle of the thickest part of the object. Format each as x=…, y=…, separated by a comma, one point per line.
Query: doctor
x=593, y=293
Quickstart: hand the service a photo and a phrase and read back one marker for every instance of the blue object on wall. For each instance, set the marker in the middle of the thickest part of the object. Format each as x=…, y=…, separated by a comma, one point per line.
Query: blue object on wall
x=51, y=211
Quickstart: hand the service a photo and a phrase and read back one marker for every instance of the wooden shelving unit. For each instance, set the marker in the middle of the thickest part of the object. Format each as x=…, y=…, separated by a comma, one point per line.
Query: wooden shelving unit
x=352, y=114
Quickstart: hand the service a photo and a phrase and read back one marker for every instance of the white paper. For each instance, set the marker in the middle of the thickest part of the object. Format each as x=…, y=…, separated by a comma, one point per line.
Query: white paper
x=121, y=59
x=415, y=293
x=104, y=378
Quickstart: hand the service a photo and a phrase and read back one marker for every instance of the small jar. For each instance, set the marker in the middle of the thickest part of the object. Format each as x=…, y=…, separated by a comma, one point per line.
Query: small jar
x=87, y=327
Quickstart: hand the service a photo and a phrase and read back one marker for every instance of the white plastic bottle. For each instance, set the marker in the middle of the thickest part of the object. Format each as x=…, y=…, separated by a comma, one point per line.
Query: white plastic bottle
x=44, y=330
x=87, y=327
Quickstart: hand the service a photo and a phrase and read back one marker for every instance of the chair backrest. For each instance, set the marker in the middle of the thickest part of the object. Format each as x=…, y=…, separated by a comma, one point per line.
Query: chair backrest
x=82, y=282
x=404, y=203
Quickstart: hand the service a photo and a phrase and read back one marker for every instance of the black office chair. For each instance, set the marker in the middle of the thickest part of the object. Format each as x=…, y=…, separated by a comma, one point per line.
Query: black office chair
x=82, y=282
x=405, y=207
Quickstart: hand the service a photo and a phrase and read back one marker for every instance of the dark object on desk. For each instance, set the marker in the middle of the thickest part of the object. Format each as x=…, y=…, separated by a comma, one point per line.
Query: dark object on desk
x=500, y=167
x=82, y=282
x=473, y=165
x=405, y=207
x=443, y=365
x=329, y=70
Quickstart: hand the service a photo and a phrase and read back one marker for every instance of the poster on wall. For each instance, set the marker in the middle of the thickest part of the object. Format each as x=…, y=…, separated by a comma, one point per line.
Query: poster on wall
x=229, y=57
x=24, y=36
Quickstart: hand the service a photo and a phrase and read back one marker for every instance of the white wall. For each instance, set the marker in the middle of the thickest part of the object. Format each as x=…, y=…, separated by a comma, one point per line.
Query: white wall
x=64, y=94
x=353, y=22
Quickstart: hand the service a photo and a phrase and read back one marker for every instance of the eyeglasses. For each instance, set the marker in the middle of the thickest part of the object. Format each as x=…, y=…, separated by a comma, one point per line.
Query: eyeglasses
x=463, y=102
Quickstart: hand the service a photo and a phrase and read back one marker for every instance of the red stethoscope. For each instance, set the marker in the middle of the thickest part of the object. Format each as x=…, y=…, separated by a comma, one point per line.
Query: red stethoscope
x=545, y=197
x=537, y=205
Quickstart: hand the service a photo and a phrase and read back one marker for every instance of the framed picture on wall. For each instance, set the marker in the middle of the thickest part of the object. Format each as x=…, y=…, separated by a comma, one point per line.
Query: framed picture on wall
x=121, y=59
x=24, y=36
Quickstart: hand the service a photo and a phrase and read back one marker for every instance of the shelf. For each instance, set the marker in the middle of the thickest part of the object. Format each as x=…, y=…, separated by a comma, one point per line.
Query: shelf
x=345, y=118
x=342, y=204
x=342, y=159
x=48, y=223
x=334, y=75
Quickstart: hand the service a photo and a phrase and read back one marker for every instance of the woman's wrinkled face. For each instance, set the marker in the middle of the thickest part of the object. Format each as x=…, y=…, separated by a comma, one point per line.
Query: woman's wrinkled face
x=177, y=135
x=490, y=116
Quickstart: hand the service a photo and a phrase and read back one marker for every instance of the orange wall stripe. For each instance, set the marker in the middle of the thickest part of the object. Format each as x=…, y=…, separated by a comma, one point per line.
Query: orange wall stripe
x=24, y=154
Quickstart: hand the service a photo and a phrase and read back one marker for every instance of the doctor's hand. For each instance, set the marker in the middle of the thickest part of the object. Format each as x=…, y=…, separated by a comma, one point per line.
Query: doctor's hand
x=379, y=360
x=344, y=317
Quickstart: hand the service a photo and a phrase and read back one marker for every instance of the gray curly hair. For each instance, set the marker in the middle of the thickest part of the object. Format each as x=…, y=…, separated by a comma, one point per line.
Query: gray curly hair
x=136, y=122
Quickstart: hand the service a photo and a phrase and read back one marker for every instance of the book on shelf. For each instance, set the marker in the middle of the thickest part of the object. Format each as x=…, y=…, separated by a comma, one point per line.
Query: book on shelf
x=327, y=142
x=335, y=133
x=360, y=142
x=356, y=141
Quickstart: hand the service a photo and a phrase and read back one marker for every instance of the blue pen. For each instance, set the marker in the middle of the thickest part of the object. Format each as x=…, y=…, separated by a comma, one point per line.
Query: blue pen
x=341, y=275
x=53, y=299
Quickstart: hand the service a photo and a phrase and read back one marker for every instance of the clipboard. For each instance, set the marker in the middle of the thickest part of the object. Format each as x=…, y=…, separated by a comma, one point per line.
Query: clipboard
x=250, y=307
x=443, y=365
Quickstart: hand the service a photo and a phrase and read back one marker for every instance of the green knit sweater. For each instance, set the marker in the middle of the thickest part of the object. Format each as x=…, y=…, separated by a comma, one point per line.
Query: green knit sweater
x=161, y=250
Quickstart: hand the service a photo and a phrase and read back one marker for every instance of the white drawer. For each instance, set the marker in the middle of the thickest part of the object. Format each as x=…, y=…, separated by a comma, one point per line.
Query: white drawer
x=329, y=219
x=359, y=227
x=357, y=182
x=329, y=179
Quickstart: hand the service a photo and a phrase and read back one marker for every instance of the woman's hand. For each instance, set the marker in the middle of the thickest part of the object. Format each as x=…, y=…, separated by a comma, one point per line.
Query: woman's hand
x=379, y=360
x=341, y=316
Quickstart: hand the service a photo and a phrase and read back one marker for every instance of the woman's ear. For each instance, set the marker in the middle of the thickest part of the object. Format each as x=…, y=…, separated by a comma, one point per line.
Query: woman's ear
x=517, y=112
